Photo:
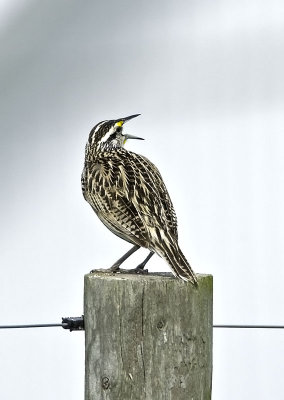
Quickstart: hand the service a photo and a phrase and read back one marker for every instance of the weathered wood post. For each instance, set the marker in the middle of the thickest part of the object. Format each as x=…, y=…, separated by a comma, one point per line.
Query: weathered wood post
x=147, y=337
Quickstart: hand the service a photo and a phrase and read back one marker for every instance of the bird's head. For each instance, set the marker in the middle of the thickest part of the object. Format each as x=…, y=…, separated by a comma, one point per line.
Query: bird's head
x=109, y=134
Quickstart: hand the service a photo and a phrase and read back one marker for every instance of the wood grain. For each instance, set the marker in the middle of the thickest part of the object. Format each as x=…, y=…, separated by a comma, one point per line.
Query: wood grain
x=148, y=337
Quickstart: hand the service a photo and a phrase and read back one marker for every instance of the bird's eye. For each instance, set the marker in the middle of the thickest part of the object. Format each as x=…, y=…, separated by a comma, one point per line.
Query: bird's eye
x=119, y=129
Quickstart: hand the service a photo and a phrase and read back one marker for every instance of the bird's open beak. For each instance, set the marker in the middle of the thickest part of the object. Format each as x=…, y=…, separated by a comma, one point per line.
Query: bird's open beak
x=121, y=121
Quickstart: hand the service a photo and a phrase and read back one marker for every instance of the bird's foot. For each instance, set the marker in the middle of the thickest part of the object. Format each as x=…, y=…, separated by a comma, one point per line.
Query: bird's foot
x=140, y=270
x=116, y=270
x=136, y=270
x=105, y=270
x=93, y=271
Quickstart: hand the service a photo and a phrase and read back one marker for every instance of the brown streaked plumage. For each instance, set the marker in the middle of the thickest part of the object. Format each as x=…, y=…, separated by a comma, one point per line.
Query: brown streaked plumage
x=128, y=194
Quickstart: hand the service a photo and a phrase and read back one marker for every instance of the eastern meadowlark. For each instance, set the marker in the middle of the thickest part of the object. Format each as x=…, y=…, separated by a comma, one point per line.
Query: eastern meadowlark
x=128, y=194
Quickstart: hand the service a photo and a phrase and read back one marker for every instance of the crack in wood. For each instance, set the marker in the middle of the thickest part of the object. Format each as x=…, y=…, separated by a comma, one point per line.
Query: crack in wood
x=142, y=329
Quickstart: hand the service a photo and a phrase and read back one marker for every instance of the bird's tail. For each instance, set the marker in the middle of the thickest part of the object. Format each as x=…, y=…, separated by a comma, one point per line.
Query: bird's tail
x=172, y=254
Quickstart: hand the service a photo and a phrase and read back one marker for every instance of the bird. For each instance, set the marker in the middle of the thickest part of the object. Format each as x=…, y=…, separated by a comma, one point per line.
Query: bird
x=129, y=196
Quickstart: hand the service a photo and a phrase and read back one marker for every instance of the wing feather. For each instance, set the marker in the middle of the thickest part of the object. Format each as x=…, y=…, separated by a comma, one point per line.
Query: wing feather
x=128, y=195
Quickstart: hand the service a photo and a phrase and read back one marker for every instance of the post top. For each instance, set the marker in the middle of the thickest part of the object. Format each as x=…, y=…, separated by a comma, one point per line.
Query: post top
x=150, y=276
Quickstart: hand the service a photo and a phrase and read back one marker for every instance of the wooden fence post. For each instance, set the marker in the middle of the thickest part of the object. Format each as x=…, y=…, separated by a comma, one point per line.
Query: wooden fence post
x=147, y=337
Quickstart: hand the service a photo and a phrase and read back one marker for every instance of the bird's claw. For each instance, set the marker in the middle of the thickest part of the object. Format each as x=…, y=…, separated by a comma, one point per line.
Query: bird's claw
x=141, y=271
x=131, y=271
x=137, y=270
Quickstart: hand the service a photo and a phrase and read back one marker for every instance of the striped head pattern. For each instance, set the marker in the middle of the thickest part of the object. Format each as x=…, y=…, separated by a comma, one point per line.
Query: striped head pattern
x=107, y=135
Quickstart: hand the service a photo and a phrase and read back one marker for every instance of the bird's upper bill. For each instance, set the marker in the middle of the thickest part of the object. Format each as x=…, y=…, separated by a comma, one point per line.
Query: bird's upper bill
x=121, y=121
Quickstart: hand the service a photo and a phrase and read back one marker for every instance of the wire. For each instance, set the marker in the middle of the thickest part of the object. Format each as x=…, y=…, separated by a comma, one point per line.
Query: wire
x=65, y=325
x=250, y=326
x=32, y=326
x=71, y=323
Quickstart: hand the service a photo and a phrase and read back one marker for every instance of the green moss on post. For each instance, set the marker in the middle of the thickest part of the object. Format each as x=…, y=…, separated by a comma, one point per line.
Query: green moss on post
x=148, y=337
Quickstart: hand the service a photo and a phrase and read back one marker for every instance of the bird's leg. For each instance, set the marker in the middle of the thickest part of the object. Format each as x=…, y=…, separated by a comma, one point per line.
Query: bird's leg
x=117, y=264
x=138, y=270
x=141, y=266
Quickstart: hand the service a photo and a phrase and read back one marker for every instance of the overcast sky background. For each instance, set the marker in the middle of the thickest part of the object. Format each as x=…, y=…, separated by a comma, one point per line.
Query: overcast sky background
x=207, y=77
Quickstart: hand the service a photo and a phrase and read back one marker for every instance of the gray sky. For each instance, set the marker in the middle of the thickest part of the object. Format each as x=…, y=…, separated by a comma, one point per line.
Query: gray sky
x=207, y=77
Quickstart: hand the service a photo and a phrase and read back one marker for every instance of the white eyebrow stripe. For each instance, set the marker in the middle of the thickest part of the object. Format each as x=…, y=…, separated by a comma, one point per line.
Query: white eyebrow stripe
x=107, y=135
